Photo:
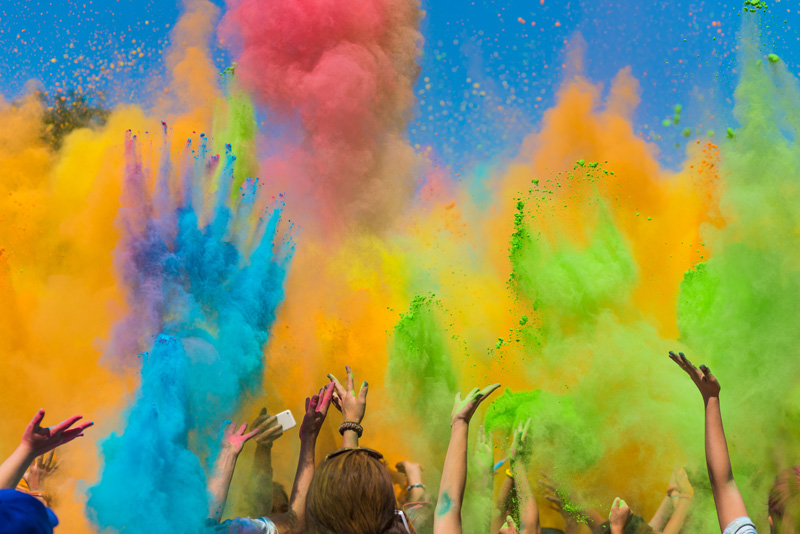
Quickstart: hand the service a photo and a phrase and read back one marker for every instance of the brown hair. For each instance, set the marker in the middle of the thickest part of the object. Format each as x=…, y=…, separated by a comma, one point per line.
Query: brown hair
x=352, y=493
x=784, y=496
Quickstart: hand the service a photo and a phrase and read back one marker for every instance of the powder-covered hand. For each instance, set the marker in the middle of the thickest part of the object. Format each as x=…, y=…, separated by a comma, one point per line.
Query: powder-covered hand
x=619, y=516
x=520, y=448
x=346, y=401
x=268, y=429
x=463, y=410
x=706, y=382
x=316, y=411
x=233, y=441
x=37, y=440
x=509, y=527
x=484, y=451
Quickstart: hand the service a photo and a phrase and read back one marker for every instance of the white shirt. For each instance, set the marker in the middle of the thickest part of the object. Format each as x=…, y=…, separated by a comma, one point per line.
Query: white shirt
x=742, y=525
x=245, y=525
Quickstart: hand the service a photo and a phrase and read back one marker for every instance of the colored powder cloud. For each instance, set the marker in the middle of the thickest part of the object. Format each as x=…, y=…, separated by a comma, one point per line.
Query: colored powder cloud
x=738, y=310
x=214, y=293
x=346, y=73
x=597, y=257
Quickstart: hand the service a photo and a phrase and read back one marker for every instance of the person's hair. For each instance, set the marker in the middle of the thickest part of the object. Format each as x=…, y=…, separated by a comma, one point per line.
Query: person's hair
x=784, y=497
x=352, y=493
x=636, y=525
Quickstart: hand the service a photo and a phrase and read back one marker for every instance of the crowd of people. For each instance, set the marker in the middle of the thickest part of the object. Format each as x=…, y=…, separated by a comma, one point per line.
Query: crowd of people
x=352, y=491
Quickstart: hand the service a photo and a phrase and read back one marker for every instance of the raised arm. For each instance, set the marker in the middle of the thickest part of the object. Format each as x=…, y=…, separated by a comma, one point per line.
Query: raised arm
x=674, y=508
x=260, y=488
x=35, y=442
x=220, y=481
x=568, y=504
x=415, y=489
x=479, y=506
x=447, y=518
x=316, y=411
x=518, y=457
x=619, y=516
x=351, y=406
x=728, y=499
x=501, y=504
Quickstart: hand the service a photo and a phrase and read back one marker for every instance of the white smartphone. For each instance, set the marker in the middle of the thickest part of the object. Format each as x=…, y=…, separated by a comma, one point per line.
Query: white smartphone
x=286, y=420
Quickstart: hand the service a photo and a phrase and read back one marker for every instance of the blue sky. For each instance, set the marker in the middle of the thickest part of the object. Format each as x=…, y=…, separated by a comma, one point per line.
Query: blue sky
x=478, y=57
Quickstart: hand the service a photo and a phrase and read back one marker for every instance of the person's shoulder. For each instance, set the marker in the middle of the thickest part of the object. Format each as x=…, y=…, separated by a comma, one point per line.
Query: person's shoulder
x=247, y=525
x=742, y=525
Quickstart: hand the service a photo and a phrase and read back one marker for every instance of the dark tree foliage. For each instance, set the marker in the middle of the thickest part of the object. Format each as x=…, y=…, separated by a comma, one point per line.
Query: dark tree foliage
x=67, y=112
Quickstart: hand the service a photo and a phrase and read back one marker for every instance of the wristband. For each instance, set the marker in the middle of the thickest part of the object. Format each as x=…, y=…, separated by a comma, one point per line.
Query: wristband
x=412, y=486
x=351, y=425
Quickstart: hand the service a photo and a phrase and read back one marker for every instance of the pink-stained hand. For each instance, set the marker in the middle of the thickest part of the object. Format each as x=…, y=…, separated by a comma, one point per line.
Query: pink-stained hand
x=464, y=409
x=37, y=440
x=316, y=411
x=352, y=407
x=233, y=441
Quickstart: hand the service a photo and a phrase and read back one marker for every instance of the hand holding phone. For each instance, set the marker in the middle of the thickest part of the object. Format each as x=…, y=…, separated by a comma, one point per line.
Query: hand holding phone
x=286, y=420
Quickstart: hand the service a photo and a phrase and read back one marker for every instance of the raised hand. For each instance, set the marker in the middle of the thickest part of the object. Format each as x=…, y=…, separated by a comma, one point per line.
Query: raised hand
x=345, y=399
x=268, y=429
x=233, y=441
x=37, y=440
x=509, y=527
x=411, y=470
x=619, y=516
x=520, y=448
x=40, y=470
x=316, y=411
x=413, y=473
x=463, y=410
x=706, y=382
x=680, y=485
x=484, y=450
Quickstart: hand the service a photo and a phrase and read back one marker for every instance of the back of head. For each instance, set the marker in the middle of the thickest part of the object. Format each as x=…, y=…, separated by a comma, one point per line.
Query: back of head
x=352, y=493
x=784, y=501
x=21, y=513
x=636, y=525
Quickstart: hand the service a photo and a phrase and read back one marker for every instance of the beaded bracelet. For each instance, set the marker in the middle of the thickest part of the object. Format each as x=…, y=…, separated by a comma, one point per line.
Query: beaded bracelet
x=351, y=425
x=412, y=486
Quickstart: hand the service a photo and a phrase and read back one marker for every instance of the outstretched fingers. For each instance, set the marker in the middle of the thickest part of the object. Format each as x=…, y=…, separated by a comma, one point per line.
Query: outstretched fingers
x=327, y=398
x=340, y=391
x=707, y=372
x=64, y=425
x=313, y=403
x=37, y=419
x=488, y=390
x=350, y=386
x=362, y=394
